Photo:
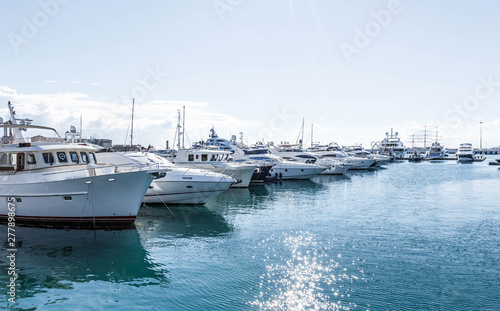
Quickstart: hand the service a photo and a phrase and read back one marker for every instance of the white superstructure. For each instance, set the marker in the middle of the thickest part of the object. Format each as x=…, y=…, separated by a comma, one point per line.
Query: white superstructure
x=181, y=185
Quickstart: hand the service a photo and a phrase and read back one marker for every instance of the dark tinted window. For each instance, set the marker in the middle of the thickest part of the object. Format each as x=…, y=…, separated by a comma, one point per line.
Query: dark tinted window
x=48, y=157
x=85, y=158
x=74, y=157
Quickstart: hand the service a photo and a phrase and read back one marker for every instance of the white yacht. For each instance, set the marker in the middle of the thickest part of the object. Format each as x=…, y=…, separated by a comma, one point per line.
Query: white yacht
x=261, y=172
x=215, y=160
x=334, y=152
x=360, y=152
x=282, y=169
x=436, y=152
x=181, y=185
x=392, y=146
x=465, y=153
x=332, y=166
x=63, y=183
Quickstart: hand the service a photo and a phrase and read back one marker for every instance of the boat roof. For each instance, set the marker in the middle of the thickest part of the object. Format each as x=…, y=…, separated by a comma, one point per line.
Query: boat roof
x=25, y=147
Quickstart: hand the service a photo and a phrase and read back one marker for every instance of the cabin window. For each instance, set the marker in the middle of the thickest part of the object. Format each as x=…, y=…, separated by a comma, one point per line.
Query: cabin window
x=74, y=157
x=204, y=157
x=4, y=159
x=214, y=157
x=48, y=157
x=85, y=158
x=191, y=157
x=30, y=158
x=93, y=157
x=197, y=157
x=62, y=157
x=13, y=159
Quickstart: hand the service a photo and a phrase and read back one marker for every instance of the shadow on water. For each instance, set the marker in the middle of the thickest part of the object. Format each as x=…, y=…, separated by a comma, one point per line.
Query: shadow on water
x=187, y=221
x=57, y=259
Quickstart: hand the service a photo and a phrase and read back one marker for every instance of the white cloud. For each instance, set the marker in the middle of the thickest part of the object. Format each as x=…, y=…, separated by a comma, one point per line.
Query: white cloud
x=154, y=122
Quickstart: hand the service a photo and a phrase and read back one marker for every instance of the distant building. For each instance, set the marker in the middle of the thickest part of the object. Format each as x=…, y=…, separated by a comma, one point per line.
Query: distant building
x=103, y=142
x=40, y=138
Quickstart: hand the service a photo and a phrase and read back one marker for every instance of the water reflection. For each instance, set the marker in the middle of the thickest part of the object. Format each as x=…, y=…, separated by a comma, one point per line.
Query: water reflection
x=301, y=275
x=58, y=259
x=155, y=220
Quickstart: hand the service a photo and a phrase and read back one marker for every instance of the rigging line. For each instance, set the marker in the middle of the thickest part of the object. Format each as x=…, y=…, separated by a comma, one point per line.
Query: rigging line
x=165, y=204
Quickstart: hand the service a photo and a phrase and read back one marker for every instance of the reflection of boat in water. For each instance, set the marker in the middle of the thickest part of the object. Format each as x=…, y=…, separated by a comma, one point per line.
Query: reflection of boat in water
x=155, y=221
x=415, y=157
x=53, y=259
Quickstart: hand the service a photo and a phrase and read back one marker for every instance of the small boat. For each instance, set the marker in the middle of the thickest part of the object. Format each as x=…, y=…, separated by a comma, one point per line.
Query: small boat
x=415, y=157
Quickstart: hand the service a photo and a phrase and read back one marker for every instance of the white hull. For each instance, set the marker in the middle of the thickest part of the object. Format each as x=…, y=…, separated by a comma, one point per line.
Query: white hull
x=464, y=159
x=336, y=170
x=242, y=173
x=113, y=198
x=358, y=163
x=185, y=192
x=284, y=171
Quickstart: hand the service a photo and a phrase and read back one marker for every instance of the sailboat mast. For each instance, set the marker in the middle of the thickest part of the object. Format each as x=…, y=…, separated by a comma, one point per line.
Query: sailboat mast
x=302, y=139
x=183, y=124
x=312, y=140
x=425, y=136
x=132, y=127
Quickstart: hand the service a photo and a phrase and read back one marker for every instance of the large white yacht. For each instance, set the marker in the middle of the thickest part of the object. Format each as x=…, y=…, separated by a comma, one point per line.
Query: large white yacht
x=436, y=152
x=215, y=160
x=333, y=166
x=282, y=169
x=181, y=185
x=360, y=152
x=334, y=152
x=465, y=153
x=392, y=146
x=278, y=168
x=63, y=183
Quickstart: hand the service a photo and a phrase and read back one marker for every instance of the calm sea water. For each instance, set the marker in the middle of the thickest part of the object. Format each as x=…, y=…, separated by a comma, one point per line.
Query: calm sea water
x=423, y=236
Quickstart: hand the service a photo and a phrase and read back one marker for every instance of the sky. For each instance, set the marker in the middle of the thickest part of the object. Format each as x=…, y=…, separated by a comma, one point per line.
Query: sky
x=352, y=70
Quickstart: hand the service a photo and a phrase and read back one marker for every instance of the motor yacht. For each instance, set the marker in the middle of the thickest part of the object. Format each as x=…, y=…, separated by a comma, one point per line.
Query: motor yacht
x=62, y=183
x=465, y=153
x=334, y=152
x=333, y=166
x=282, y=169
x=436, y=152
x=181, y=185
x=392, y=146
x=215, y=160
x=360, y=152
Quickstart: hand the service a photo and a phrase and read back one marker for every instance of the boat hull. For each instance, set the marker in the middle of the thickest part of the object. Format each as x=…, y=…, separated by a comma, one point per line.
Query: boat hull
x=93, y=200
x=187, y=191
x=280, y=172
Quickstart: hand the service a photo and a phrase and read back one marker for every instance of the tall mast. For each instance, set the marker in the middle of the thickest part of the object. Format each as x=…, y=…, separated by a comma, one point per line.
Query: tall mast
x=302, y=139
x=481, y=136
x=425, y=136
x=183, y=124
x=132, y=127
x=179, y=130
x=312, y=135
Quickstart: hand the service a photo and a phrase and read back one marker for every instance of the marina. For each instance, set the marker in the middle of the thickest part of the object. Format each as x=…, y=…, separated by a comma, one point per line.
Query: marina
x=249, y=155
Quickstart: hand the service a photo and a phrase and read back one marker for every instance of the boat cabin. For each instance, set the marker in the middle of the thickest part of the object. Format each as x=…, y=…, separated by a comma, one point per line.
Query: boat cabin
x=26, y=157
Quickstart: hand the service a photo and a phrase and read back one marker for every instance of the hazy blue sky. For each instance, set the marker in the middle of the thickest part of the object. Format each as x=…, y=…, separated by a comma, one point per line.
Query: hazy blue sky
x=351, y=68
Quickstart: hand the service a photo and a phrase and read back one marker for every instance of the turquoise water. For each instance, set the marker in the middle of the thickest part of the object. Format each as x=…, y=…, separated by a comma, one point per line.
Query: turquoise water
x=414, y=236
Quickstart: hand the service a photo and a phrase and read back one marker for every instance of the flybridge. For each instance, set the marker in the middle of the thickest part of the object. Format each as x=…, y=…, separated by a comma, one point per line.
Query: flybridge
x=13, y=129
